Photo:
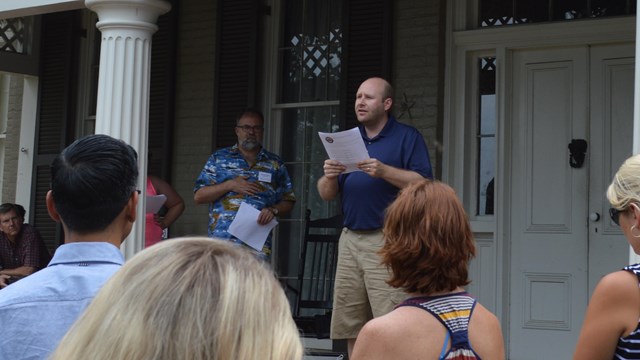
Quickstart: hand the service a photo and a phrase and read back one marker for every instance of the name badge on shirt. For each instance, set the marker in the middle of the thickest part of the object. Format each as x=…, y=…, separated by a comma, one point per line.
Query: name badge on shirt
x=264, y=177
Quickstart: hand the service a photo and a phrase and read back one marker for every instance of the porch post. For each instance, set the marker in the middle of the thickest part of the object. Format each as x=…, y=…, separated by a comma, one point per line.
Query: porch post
x=633, y=258
x=123, y=84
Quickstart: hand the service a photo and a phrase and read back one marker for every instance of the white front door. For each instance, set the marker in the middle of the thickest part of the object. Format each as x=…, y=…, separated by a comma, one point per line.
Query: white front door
x=611, y=103
x=557, y=254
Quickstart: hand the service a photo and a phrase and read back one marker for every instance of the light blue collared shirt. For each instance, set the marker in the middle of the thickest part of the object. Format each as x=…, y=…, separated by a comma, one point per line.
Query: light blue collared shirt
x=37, y=311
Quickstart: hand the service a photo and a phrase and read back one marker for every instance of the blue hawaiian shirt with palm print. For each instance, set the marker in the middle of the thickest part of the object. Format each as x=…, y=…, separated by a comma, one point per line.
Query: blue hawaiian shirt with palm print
x=228, y=163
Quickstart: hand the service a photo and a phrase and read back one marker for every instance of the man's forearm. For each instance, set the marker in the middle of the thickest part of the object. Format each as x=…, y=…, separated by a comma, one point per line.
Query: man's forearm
x=400, y=178
x=284, y=207
x=211, y=193
x=328, y=188
x=19, y=271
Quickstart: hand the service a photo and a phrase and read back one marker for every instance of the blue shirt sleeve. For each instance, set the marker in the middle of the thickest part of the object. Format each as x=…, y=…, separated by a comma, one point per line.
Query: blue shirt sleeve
x=285, y=185
x=207, y=175
x=417, y=156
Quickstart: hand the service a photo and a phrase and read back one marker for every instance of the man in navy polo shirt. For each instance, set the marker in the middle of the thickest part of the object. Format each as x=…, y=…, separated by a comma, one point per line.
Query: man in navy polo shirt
x=399, y=156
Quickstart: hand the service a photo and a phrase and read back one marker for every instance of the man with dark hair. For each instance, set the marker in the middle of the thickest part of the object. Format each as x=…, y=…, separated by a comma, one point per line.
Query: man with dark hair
x=22, y=250
x=244, y=172
x=93, y=195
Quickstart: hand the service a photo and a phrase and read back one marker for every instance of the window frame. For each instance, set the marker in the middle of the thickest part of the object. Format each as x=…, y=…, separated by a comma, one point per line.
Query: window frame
x=471, y=139
x=85, y=122
x=274, y=116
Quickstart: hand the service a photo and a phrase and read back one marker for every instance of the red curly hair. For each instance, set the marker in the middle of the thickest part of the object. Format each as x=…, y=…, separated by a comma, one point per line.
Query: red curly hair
x=428, y=239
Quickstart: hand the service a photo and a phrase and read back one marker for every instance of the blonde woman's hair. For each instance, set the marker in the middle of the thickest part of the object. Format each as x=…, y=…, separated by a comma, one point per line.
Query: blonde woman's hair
x=192, y=299
x=625, y=187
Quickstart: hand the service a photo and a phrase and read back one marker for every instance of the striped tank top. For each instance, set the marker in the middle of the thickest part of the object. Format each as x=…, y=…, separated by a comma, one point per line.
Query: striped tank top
x=629, y=346
x=453, y=311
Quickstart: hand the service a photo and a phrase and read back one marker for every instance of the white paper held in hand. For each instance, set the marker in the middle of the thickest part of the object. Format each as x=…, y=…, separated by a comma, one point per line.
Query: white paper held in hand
x=347, y=147
x=155, y=202
x=246, y=228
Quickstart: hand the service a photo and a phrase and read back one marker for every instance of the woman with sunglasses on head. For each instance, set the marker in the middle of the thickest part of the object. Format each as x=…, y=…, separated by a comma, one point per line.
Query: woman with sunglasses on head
x=611, y=326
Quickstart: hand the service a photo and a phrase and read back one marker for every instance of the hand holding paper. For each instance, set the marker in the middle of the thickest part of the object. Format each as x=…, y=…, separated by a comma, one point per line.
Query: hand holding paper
x=347, y=147
x=246, y=228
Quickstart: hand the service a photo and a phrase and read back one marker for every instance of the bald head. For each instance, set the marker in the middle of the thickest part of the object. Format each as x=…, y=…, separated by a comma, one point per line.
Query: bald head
x=382, y=84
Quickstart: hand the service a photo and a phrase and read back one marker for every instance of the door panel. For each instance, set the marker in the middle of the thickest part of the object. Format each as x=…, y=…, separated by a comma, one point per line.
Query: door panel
x=557, y=254
x=612, y=76
x=548, y=203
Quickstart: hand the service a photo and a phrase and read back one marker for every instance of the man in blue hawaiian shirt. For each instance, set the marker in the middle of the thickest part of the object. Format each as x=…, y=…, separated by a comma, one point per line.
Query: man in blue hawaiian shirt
x=244, y=172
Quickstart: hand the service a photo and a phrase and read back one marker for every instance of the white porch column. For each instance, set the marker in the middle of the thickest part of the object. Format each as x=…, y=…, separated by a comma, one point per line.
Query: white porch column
x=633, y=258
x=123, y=85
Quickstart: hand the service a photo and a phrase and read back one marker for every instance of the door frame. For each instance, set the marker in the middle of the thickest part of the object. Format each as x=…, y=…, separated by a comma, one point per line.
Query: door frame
x=28, y=121
x=26, y=66
x=463, y=47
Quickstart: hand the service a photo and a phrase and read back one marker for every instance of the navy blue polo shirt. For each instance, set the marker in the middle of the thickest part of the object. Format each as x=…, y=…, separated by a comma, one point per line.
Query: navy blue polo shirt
x=365, y=198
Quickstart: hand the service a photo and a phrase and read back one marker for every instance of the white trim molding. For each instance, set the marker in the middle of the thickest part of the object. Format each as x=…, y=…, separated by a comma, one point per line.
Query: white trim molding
x=633, y=257
x=27, y=140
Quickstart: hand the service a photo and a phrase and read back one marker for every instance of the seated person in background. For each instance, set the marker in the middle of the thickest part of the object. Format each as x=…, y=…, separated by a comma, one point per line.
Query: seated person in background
x=428, y=246
x=191, y=299
x=22, y=251
x=156, y=223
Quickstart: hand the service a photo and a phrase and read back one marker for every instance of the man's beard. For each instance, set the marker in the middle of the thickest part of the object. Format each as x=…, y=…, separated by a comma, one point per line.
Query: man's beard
x=250, y=144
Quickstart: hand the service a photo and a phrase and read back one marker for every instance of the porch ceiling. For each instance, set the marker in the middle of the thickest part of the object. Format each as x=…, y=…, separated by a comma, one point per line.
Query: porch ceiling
x=13, y=8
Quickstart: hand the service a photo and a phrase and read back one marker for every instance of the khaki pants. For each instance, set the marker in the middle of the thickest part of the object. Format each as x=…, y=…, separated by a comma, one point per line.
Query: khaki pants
x=361, y=292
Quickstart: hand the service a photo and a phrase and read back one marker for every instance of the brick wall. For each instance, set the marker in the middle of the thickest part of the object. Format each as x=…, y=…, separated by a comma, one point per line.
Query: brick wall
x=12, y=141
x=194, y=107
x=417, y=76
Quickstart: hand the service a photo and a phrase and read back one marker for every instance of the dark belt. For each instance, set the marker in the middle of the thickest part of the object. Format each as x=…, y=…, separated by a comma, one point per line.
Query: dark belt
x=365, y=231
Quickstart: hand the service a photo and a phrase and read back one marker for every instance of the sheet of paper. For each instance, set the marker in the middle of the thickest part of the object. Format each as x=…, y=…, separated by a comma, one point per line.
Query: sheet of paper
x=246, y=228
x=345, y=146
x=155, y=202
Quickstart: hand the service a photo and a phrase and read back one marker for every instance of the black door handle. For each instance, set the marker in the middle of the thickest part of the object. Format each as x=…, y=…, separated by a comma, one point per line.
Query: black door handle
x=577, y=153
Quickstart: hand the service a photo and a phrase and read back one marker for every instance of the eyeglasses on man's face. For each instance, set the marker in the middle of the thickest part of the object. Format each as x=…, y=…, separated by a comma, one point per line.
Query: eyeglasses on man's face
x=248, y=128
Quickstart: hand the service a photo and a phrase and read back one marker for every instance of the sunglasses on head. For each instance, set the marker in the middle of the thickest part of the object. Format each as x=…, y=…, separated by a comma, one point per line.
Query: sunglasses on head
x=615, y=213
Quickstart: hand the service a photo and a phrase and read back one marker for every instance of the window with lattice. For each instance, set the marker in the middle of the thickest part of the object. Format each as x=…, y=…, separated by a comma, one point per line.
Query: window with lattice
x=311, y=51
x=15, y=35
x=515, y=12
x=307, y=101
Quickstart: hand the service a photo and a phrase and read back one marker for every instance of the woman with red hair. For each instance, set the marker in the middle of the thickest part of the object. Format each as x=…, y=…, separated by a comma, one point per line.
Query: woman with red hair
x=428, y=246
